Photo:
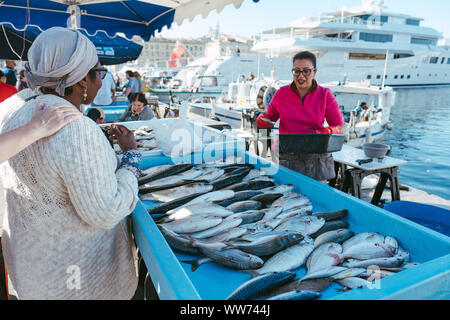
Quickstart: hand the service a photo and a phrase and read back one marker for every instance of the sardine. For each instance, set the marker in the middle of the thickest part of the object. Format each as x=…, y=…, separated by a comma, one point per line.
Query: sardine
x=296, y=295
x=258, y=285
x=193, y=224
x=338, y=236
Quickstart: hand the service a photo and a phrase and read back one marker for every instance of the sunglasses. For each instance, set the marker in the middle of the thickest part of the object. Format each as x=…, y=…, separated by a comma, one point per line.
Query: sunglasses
x=101, y=70
x=305, y=72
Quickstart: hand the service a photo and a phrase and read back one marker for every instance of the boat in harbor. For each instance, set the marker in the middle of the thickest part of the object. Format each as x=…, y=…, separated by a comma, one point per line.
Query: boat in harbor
x=355, y=43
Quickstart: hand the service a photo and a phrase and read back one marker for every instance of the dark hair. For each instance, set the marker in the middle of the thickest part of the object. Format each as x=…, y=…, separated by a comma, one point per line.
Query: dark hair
x=305, y=55
x=138, y=96
x=130, y=73
x=1, y=73
x=94, y=114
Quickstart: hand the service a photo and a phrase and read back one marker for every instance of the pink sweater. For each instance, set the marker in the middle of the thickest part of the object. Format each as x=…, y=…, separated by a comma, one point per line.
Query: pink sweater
x=307, y=116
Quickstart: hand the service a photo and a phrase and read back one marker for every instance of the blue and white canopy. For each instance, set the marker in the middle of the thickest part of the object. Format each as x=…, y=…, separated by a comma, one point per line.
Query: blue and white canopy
x=130, y=17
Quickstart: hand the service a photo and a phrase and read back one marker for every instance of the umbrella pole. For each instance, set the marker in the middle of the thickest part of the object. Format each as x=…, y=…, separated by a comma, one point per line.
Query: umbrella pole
x=74, y=11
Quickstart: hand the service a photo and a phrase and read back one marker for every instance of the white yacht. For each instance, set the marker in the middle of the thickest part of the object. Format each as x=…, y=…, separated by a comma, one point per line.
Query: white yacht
x=366, y=43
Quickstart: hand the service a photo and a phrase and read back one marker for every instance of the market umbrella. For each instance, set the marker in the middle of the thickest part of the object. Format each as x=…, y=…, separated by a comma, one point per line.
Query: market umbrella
x=130, y=17
x=14, y=45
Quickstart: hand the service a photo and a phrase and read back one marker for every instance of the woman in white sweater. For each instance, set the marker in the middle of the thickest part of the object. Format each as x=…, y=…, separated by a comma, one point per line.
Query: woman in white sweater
x=67, y=198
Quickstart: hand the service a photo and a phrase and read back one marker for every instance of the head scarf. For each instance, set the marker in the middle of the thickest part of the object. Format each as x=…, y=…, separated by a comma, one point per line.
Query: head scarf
x=59, y=58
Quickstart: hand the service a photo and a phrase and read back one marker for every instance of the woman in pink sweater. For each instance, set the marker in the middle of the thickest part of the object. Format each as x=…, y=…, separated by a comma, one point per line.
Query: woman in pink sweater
x=302, y=107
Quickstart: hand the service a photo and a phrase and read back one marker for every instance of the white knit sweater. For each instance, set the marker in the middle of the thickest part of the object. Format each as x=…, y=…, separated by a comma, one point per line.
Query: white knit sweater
x=65, y=230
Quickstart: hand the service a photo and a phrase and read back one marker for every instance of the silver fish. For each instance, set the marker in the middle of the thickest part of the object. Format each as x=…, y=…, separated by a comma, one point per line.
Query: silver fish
x=209, y=197
x=268, y=245
x=291, y=200
x=282, y=188
x=260, y=284
x=338, y=236
x=200, y=209
x=227, y=256
x=227, y=235
x=369, y=246
x=193, y=224
x=225, y=225
x=296, y=295
x=392, y=262
x=176, y=193
x=303, y=224
x=185, y=175
x=329, y=226
x=249, y=216
x=262, y=225
x=287, y=259
x=241, y=206
x=347, y=273
x=211, y=175
x=178, y=242
x=352, y=283
x=271, y=213
x=331, y=215
x=324, y=257
x=295, y=211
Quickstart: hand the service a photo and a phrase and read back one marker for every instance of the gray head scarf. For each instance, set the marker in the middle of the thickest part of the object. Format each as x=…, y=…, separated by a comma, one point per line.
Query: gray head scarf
x=59, y=58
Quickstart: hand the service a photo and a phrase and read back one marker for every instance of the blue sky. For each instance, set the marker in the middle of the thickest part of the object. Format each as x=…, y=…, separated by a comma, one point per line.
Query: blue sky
x=252, y=18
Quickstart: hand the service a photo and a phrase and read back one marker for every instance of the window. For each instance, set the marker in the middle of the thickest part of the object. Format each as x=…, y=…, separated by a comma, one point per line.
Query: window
x=412, y=22
x=369, y=76
x=396, y=77
x=375, y=37
x=378, y=76
x=434, y=60
x=366, y=56
x=209, y=82
x=448, y=61
x=409, y=76
x=443, y=59
x=402, y=76
x=423, y=41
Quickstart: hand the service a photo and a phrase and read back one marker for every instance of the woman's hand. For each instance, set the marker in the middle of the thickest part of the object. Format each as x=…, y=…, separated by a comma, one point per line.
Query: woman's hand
x=46, y=122
x=123, y=136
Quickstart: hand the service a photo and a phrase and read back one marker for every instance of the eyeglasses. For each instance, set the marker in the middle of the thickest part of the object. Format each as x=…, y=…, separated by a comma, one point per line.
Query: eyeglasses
x=102, y=71
x=305, y=72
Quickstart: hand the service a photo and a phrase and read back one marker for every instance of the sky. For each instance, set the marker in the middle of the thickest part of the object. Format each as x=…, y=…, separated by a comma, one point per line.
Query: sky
x=252, y=18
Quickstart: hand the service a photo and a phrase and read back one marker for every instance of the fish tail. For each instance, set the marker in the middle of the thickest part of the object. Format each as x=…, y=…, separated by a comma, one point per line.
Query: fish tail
x=194, y=264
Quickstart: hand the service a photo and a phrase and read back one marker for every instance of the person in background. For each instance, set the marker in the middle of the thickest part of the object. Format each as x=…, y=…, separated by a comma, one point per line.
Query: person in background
x=250, y=76
x=117, y=80
x=302, y=107
x=107, y=93
x=137, y=75
x=133, y=84
x=138, y=110
x=22, y=82
x=94, y=114
x=10, y=72
x=68, y=198
x=6, y=90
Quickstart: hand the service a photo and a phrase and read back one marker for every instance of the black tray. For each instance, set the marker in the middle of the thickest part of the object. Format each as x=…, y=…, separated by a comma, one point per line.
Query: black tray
x=310, y=143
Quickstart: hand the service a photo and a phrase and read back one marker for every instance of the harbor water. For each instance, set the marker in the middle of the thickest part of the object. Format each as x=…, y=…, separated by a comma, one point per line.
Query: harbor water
x=421, y=136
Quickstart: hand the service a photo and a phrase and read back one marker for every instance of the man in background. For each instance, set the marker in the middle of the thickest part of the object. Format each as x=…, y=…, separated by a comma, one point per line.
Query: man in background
x=107, y=93
x=132, y=85
x=10, y=72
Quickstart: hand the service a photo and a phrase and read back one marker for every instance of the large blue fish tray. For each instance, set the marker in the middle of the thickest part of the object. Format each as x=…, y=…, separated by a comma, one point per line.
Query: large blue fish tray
x=174, y=280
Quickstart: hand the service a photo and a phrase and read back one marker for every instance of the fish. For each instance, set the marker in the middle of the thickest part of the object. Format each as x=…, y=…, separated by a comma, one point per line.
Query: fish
x=296, y=295
x=367, y=246
x=281, y=188
x=230, y=179
x=256, y=286
x=324, y=273
x=165, y=172
x=329, y=226
x=153, y=170
x=269, y=244
x=238, y=196
x=212, y=175
x=206, y=198
x=294, y=212
x=177, y=241
x=262, y=225
x=391, y=262
x=191, y=174
x=193, y=224
x=163, y=208
x=287, y=259
x=245, y=205
x=226, y=255
x=324, y=257
x=250, y=185
x=143, y=189
x=347, y=273
x=177, y=193
x=331, y=215
x=372, y=274
x=316, y=285
x=291, y=200
x=226, y=224
x=200, y=209
x=267, y=198
x=303, y=224
x=352, y=283
x=227, y=235
x=249, y=216
x=271, y=213
x=338, y=236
